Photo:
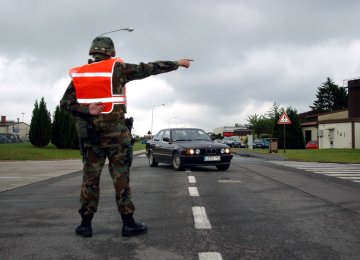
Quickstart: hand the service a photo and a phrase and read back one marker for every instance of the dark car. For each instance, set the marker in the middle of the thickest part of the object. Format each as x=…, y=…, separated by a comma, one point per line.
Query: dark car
x=266, y=142
x=232, y=141
x=182, y=147
x=258, y=143
x=4, y=140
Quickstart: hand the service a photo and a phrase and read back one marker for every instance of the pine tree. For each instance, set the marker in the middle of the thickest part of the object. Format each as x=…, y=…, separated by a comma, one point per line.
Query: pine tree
x=330, y=97
x=40, y=127
x=294, y=138
x=63, y=130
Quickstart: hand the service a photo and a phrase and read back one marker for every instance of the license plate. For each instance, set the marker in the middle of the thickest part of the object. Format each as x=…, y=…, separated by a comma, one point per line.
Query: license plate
x=211, y=158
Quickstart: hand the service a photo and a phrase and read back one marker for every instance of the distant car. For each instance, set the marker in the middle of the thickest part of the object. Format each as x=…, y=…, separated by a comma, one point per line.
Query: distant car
x=182, y=147
x=266, y=142
x=232, y=141
x=258, y=143
x=4, y=140
x=312, y=145
x=144, y=140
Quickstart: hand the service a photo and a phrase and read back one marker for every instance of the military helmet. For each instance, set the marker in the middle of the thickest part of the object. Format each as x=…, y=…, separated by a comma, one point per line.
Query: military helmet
x=102, y=45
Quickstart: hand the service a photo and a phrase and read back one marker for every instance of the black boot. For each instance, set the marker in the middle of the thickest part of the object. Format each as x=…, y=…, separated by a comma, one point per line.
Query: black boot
x=131, y=227
x=84, y=229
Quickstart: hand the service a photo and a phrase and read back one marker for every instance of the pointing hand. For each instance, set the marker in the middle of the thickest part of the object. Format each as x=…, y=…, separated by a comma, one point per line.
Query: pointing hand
x=184, y=62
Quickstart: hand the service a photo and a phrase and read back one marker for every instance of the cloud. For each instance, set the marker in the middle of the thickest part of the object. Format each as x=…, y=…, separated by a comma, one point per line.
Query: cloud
x=247, y=55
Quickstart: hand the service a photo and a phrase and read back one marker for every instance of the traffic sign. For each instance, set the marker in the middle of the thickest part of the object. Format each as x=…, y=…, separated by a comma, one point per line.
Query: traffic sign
x=284, y=119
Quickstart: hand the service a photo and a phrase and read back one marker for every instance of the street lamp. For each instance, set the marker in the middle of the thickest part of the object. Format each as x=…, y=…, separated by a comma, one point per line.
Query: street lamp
x=170, y=120
x=152, y=116
x=129, y=29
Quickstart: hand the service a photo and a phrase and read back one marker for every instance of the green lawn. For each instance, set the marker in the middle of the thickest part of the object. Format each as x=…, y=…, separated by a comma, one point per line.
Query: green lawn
x=26, y=151
x=320, y=155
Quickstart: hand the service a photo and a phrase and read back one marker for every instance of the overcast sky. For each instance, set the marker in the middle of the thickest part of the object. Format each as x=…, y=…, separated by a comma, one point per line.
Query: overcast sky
x=248, y=54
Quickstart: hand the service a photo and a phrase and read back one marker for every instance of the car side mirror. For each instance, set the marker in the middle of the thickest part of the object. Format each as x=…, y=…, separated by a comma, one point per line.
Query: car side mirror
x=166, y=139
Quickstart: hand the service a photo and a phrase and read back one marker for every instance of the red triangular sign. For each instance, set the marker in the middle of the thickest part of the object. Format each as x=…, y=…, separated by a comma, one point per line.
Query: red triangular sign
x=284, y=119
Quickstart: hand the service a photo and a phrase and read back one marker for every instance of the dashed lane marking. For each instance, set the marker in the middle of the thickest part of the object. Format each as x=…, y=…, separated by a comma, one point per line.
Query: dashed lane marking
x=210, y=256
x=200, y=218
x=191, y=179
x=193, y=192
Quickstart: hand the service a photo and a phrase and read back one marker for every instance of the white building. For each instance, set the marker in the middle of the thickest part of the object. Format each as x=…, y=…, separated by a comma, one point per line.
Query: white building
x=339, y=129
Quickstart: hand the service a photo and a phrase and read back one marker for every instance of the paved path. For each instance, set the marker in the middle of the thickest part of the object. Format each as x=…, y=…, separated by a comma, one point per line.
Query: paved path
x=14, y=174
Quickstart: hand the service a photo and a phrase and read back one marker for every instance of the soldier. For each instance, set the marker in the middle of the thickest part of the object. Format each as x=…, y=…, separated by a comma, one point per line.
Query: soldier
x=96, y=97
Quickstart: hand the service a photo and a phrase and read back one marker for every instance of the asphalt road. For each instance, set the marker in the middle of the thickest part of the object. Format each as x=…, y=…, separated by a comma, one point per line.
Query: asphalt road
x=255, y=210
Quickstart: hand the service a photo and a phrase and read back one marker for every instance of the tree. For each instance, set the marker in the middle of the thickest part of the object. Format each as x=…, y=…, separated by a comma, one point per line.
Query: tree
x=40, y=126
x=263, y=125
x=64, y=133
x=294, y=138
x=330, y=97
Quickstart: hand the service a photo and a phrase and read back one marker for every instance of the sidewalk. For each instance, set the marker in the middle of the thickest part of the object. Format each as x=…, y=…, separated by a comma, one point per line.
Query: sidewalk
x=265, y=156
x=15, y=174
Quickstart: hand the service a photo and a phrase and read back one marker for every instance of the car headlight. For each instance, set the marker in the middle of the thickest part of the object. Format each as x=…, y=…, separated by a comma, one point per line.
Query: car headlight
x=225, y=150
x=192, y=151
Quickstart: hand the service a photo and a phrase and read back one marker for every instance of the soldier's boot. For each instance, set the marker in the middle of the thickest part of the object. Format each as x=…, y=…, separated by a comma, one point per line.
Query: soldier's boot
x=84, y=229
x=131, y=227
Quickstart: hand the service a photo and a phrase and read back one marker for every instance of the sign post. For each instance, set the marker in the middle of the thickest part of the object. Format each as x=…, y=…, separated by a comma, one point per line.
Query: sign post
x=284, y=120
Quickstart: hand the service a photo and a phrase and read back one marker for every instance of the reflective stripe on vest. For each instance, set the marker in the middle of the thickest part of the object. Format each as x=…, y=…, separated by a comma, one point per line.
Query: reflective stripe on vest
x=93, y=84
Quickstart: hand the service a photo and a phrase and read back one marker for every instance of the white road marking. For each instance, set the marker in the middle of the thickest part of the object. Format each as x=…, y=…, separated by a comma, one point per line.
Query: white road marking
x=350, y=178
x=193, y=192
x=342, y=171
x=200, y=218
x=191, y=179
x=344, y=174
x=210, y=256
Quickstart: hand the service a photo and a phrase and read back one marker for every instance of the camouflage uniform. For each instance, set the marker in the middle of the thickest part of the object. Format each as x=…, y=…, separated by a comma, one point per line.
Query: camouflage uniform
x=106, y=136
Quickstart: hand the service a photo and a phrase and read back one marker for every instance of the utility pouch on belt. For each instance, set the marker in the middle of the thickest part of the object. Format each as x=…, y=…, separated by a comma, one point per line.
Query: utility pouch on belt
x=129, y=122
x=92, y=135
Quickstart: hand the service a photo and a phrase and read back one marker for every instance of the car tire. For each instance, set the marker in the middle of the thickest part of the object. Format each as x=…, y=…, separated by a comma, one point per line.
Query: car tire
x=176, y=162
x=223, y=167
x=152, y=161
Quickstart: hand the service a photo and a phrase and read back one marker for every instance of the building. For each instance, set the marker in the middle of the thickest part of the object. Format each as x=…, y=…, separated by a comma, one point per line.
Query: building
x=18, y=129
x=232, y=131
x=338, y=129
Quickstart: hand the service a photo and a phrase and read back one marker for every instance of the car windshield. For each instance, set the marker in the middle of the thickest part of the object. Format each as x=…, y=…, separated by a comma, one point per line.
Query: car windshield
x=178, y=135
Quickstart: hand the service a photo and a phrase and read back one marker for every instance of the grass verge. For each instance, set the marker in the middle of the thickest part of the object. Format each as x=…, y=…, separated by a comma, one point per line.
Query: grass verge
x=26, y=151
x=318, y=155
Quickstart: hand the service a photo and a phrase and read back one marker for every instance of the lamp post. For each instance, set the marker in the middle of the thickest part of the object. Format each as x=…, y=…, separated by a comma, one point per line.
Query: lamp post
x=170, y=120
x=152, y=116
x=129, y=29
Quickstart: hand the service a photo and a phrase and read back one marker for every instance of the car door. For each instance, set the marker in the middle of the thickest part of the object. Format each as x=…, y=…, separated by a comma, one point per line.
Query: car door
x=155, y=144
x=164, y=147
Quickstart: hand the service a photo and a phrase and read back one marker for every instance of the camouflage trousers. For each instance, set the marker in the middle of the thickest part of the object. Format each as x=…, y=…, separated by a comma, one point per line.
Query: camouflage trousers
x=114, y=143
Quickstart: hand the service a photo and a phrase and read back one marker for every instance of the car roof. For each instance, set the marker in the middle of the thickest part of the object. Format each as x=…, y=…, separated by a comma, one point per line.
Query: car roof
x=182, y=128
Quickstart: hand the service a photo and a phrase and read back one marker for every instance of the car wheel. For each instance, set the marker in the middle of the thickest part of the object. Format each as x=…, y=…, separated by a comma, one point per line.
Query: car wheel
x=152, y=162
x=223, y=167
x=176, y=162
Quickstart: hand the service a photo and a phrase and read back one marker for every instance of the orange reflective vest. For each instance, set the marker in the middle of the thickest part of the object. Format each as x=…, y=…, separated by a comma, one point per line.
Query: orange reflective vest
x=93, y=84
